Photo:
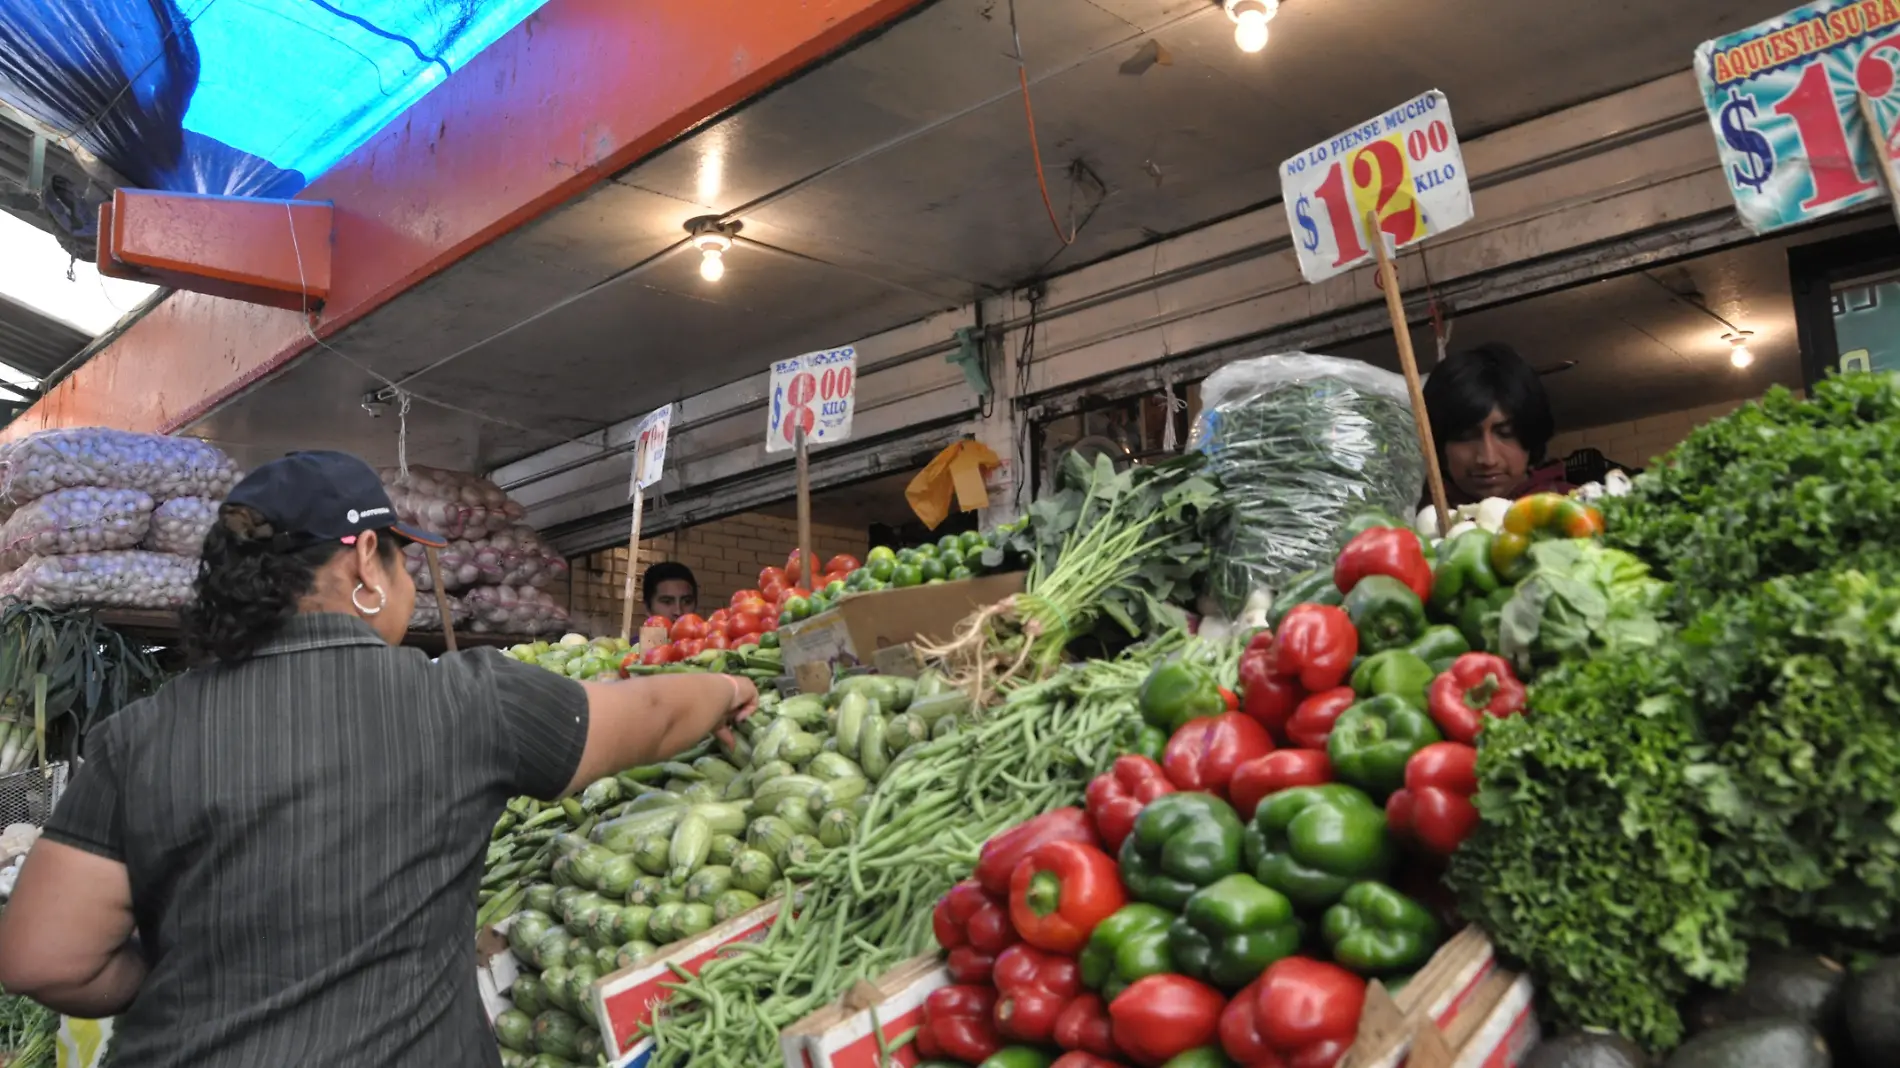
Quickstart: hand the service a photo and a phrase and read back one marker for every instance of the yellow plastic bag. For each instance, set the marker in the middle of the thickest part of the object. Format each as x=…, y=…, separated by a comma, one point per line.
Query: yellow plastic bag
x=82, y=1043
x=957, y=469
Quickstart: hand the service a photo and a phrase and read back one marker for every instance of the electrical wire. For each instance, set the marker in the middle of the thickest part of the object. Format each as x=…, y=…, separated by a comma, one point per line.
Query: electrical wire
x=1035, y=145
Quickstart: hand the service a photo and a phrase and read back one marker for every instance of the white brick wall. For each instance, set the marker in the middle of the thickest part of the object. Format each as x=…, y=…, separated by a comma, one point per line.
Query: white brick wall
x=1641, y=441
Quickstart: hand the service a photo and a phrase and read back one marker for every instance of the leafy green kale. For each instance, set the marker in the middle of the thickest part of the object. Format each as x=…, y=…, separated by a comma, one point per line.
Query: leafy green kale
x=1590, y=864
x=1781, y=486
x=1798, y=686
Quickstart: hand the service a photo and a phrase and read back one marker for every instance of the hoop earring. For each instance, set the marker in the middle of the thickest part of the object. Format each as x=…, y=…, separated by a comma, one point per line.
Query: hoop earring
x=381, y=600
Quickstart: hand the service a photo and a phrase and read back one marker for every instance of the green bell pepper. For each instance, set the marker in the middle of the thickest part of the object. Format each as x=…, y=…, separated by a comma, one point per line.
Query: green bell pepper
x=1231, y=930
x=1442, y=642
x=1375, y=930
x=1478, y=619
x=1019, y=1057
x=1464, y=572
x=1395, y=671
x=1176, y=692
x=1387, y=614
x=1181, y=842
x=1372, y=741
x=1308, y=587
x=1131, y=944
x=1151, y=742
x=1312, y=843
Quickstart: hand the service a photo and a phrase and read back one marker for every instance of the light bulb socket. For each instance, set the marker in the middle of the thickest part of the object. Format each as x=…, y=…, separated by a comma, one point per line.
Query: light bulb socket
x=1264, y=8
x=711, y=233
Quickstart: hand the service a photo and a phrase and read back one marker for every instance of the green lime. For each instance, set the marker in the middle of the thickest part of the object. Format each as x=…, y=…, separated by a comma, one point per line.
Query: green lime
x=881, y=567
x=949, y=543
x=881, y=553
x=796, y=607
x=907, y=575
x=833, y=589
x=952, y=559
x=971, y=542
x=957, y=573
x=933, y=569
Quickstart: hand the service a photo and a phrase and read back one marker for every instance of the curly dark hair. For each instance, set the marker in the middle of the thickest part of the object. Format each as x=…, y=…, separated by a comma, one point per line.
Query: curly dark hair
x=250, y=579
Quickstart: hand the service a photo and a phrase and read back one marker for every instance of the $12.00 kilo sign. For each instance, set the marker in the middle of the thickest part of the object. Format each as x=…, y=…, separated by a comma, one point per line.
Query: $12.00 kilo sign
x=1785, y=99
x=1404, y=165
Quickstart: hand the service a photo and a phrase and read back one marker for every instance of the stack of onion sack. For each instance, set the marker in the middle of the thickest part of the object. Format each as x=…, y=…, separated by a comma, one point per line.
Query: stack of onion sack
x=105, y=518
x=656, y=855
x=496, y=566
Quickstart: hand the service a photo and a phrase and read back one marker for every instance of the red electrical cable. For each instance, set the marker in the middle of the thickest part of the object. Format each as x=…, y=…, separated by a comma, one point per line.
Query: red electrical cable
x=1035, y=149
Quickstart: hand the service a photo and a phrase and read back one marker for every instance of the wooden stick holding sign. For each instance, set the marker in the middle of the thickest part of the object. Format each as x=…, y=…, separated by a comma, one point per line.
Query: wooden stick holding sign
x=441, y=596
x=633, y=543
x=808, y=567
x=1408, y=362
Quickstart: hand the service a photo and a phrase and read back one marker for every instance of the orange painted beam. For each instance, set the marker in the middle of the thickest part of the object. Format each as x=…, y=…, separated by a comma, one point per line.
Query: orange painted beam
x=271, y=252
x=580, y=90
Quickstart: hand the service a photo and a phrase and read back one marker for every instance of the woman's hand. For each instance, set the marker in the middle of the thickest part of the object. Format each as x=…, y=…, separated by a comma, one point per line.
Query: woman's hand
x=745, y=701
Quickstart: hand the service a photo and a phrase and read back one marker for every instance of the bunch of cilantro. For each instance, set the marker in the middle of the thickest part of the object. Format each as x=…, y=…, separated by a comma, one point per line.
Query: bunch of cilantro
x=1661, y=807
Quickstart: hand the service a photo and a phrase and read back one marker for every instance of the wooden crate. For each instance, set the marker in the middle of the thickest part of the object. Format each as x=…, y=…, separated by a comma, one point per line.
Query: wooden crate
x=845, y=1035
x=1459, y=1011
x=626, y=1000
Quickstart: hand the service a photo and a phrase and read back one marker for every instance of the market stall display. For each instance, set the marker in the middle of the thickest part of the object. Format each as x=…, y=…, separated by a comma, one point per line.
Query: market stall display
x=104, y=518
x=496, y=566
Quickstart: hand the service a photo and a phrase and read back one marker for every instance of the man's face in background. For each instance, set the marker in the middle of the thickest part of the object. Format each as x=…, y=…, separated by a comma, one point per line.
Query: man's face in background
x=673, y=598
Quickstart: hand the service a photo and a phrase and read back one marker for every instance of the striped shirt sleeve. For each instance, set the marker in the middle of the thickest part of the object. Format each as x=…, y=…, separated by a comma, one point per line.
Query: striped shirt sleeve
x=88, y=816
x=545, y=716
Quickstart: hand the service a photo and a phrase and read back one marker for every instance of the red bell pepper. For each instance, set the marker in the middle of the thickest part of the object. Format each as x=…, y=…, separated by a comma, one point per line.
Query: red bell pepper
x=1060, y=892
x=973, y=925
x=1300, y=1013
x=1316, y=644
x=1084, y=1025
x=1079, y=1059
x=1203, y=754
x=1230, y=699
x=1159, y=1016
x=1435, y=810
x=1117, y=796
x=1279, y=770
x=1475, y=686
x=1312, y=722
x=1034, y=988
x=1386, y=551
x=958, y=1024
x=1000, y=855
x=1267, y=696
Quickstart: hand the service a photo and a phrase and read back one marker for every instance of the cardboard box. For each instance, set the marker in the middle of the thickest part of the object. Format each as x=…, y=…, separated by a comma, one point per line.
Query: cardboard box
x=627, y=999
x=845, y=1035
x=496, y=968
x=865, y=625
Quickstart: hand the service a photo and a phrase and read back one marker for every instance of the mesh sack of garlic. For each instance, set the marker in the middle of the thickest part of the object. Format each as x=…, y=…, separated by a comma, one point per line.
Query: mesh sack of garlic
x=80, y=520
x=164, y=467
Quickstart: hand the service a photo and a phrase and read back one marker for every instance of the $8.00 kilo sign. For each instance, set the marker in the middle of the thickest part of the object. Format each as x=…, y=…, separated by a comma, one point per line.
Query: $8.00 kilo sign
x=816, y=391
x=1404, y=165
x=1785, y=99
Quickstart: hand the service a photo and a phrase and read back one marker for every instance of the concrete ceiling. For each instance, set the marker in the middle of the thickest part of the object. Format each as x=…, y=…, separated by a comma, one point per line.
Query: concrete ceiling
x=897, y=180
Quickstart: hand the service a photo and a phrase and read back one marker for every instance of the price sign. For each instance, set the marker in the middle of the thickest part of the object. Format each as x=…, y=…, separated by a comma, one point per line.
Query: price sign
x=1784, y=97
x=650, y=442
x=1403, y=165
x=816, y=391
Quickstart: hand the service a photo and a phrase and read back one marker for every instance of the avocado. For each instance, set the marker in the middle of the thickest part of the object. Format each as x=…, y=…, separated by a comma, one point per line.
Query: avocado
x=1587, y=1049
x=1799, y=986
x=1764, y=1042
x=1873, y=1013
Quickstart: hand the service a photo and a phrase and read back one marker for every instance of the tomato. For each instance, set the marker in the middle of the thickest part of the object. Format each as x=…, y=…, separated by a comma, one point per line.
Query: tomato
x=746, y=641
x=772, y=576
x=744, y=623
x=843, y=564
x=628, y=662
x=740, y=597
x=688, y=628
x=661, y=622
x=660, y=654
x=718, y=617
x=795, y=567
x=718, y=640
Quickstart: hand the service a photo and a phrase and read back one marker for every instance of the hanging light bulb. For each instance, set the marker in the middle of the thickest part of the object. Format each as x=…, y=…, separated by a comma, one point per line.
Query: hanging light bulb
x=712, y=246
x=1250, y=22
x=1738, y=348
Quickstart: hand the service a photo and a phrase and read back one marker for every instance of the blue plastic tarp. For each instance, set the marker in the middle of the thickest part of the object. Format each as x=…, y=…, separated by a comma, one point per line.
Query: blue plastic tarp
x=235, y=97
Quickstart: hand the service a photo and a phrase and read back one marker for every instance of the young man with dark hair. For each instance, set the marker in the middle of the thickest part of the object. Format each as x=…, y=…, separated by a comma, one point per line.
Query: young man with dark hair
x=1491, y=421
x=670, y=590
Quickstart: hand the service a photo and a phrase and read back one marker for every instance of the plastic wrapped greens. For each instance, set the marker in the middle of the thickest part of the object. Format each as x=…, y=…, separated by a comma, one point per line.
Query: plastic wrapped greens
x=179, y=526
x=69, y=521
x=163, y=467
x=1301, y=443
x=125, y=579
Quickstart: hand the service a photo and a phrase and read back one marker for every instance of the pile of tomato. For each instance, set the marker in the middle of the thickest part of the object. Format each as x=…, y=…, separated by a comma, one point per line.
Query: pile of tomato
x=752, y=616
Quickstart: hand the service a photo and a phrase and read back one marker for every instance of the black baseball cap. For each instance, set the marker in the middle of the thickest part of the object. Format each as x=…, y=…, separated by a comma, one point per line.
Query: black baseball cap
x=313, y=497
